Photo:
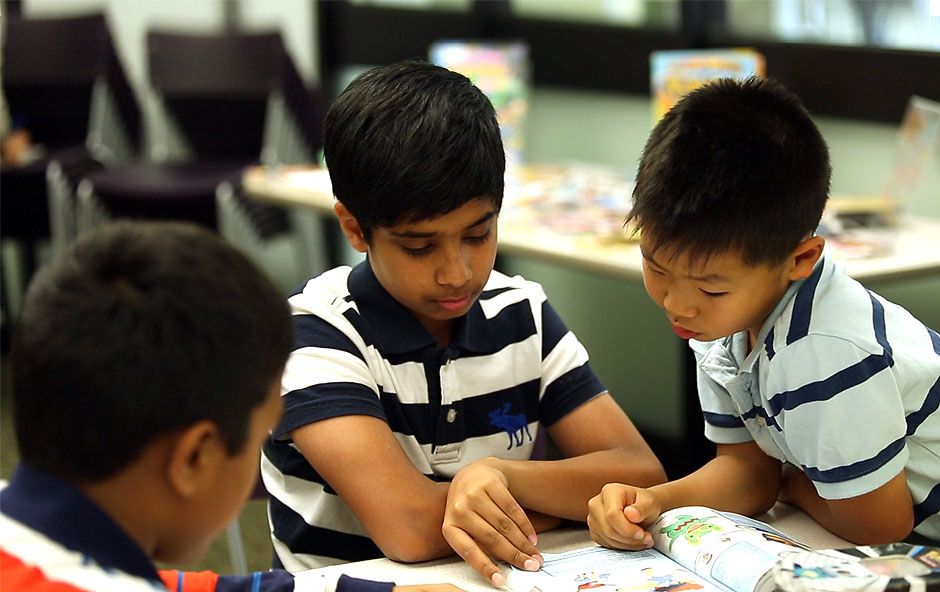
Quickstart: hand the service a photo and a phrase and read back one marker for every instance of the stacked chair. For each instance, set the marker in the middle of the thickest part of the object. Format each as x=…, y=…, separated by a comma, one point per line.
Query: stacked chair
x=63, y=82
x=222, y=102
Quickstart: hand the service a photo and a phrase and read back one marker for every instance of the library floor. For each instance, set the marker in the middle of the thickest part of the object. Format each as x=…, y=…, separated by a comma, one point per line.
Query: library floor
x=253, y=519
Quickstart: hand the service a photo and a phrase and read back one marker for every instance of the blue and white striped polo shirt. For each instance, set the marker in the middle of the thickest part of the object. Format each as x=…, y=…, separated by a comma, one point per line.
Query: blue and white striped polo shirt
x=513, y=366
x=844, y=384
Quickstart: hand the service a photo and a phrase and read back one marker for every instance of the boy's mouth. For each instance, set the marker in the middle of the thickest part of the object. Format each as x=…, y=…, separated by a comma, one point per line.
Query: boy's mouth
x=455, y=304
x=684, y=333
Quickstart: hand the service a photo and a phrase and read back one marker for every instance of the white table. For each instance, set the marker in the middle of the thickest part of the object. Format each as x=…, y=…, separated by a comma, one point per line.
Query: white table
x=916, y=243
x=916, y=254
x=453, y=570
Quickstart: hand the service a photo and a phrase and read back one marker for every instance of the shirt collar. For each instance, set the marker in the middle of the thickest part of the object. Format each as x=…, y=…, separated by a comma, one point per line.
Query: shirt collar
x=395, y=330
x=64, y=514
x=784, y=301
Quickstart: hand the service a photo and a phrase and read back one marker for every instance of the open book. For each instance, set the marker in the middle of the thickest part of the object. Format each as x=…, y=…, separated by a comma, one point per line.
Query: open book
x=695, y=549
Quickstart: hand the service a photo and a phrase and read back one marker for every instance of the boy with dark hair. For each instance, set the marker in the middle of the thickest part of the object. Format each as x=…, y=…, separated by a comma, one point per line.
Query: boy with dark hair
x=146, y=371
x=427, y=373
x=815, y=390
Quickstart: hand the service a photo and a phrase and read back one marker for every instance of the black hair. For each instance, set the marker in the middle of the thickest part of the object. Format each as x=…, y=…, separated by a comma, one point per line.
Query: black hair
x=412, y=141
x=734, y=166
x=139, y=330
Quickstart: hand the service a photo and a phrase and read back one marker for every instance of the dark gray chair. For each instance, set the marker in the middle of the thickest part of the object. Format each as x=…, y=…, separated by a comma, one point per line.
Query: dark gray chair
x=226, y=101
x=63, y=82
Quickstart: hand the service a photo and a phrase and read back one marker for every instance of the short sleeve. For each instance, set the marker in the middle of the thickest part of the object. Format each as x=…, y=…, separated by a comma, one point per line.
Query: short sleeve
x=568, y=381
x=325, y=376
x=842, y=414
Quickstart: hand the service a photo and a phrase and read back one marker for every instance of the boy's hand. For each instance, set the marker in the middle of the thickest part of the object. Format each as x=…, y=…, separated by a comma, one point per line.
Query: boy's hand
x=483, y=522
x=619, y=514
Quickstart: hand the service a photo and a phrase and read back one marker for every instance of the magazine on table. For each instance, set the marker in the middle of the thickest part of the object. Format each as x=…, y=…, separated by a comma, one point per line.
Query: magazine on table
x=694, y=548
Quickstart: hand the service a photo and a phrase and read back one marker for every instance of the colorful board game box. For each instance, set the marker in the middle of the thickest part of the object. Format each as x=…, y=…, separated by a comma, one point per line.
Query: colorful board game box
x=501, y=70
x=673, y=73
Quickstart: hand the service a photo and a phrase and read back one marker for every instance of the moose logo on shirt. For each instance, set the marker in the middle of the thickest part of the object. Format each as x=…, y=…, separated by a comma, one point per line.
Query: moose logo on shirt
x=513, y=425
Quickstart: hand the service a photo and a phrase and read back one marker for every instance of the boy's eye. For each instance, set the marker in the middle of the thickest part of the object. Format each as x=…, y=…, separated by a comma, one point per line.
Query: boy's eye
x=713, y=294
x=417, y=252
x=426, y=249
x=480, y=238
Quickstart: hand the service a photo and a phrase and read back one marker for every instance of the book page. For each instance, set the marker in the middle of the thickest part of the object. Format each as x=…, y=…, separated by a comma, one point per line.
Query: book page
x=725, y=548
x=598, y=569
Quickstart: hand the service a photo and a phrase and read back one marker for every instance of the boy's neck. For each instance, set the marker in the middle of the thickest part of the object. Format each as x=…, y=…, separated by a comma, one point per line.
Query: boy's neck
x=443, y=332
x=136, y=499
x=751, y=340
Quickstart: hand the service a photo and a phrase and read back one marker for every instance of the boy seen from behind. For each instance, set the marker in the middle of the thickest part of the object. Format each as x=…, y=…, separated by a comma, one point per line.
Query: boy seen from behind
x=146, y=374
x=816, y=390
x=421, y=377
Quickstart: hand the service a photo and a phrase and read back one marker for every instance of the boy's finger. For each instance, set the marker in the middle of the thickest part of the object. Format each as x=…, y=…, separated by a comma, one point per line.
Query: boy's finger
x=508, y=507
x=469, y=551
x=618, y=529
x=607, y=512
x=604, y=536
x=634, y=514
x=494, y=518
x=643, y=510
x=520, y=553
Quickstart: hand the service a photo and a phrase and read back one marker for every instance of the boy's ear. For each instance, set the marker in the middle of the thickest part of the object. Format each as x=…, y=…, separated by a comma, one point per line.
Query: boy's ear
x=350, y=226
x=804, y=257
x=194, y=457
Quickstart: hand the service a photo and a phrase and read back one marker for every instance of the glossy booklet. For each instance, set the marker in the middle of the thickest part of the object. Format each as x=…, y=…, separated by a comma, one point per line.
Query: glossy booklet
x=694, y=549
x=676, y=72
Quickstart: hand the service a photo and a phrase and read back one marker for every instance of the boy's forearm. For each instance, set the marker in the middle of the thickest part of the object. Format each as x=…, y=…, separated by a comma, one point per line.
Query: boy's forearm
x=413, y=533
x=727, y=482
x=563, y=487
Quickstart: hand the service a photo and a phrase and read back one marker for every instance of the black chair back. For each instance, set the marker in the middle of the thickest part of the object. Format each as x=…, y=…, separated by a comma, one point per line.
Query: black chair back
x=216, y=88
x=50, y=66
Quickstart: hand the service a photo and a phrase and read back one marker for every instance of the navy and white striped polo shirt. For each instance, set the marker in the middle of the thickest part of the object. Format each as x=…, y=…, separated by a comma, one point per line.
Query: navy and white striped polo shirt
x=844, y=384
x=513, y=366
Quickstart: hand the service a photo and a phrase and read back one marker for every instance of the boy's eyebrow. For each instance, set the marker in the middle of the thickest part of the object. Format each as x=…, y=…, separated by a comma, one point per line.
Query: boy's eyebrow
x=415, y=234
x=708, y=278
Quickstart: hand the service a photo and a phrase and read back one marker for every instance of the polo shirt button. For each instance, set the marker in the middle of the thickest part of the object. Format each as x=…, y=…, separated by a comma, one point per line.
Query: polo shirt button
x=761, y=421
x=451, y=415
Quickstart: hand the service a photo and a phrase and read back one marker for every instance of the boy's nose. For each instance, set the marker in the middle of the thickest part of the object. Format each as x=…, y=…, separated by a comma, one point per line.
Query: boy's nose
x=677, y=307
x=454, y=271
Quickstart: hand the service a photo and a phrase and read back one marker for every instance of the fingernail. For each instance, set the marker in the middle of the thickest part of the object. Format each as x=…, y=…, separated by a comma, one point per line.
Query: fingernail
x=533, y=539
x=648, y=541
x=498, y=579
x=531, y=565
x=639, y=535
x=538, y=557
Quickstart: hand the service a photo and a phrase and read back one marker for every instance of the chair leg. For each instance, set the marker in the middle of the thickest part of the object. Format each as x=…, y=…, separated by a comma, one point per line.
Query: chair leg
x=236, y=548
x=19, y=262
